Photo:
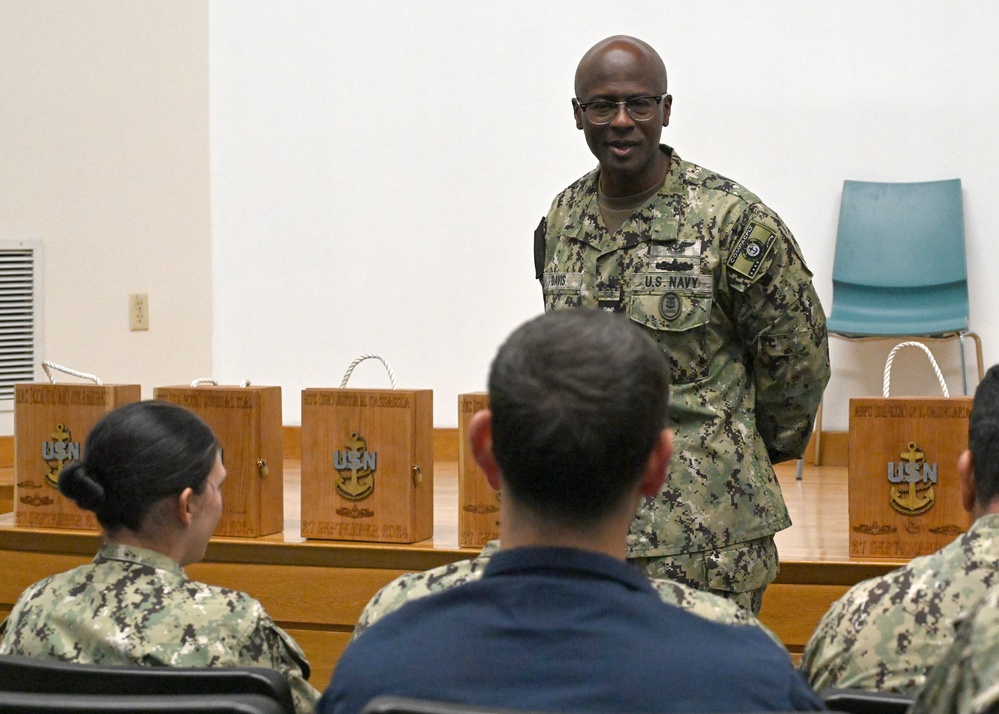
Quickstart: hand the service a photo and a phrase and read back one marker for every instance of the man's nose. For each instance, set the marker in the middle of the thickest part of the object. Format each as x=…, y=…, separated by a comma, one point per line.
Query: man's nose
x=622, y=118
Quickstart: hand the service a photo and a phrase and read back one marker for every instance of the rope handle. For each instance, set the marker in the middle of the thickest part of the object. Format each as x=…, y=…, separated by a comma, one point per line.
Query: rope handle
x=49, y=366
x=350, y=369
x=214, y=382
x=891, y=356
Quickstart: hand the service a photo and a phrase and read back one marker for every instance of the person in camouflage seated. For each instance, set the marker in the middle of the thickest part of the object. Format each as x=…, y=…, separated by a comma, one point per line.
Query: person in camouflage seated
x=717, y=280
x=966, y=680
x=413, y=586
x=886, y=633
x=152, y=473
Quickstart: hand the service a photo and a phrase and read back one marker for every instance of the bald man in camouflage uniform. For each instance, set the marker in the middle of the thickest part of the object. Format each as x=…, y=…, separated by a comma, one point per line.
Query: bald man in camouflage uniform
x=414, y=586
x=888, y=632
x=139, y=607
x=717, y=279
x=966, y=680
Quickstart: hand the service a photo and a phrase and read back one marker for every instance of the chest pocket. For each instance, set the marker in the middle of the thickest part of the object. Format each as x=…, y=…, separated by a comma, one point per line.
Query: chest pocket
x=676, y=309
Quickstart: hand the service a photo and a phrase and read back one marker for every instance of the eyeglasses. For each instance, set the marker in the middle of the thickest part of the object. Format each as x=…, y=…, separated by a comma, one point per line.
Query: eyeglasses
x=638, y=108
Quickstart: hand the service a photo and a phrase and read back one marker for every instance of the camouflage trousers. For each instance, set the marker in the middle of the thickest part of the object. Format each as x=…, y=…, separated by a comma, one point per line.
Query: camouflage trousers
x=739, y=572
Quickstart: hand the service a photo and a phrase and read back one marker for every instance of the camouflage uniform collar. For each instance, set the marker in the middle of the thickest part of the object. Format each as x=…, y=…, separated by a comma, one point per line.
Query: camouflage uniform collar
x=674, y=175
x=140, y=556
x=584, y=222
x=990, y=521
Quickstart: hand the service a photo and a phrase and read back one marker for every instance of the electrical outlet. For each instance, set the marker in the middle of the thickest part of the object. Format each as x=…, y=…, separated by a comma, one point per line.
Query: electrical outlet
x=138, y=311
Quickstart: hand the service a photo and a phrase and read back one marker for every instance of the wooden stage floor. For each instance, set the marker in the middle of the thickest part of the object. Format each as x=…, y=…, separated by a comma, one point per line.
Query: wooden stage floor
x=817, y=504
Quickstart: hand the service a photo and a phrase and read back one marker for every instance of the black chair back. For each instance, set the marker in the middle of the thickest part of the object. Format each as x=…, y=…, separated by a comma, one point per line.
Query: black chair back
x=39, y=676
x=37, y=703
x=860, y=701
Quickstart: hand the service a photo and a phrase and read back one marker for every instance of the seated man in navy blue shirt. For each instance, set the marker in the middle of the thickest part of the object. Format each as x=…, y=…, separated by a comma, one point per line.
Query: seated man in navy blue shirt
x=575, y=438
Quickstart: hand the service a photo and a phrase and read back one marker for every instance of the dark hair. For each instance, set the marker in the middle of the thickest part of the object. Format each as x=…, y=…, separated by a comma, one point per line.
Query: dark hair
x=137, y=455
x=983, y=438
x=578, y=399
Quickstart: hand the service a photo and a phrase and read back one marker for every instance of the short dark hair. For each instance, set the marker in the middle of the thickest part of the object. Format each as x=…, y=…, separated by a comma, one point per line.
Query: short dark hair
x=136, y=456
x=983, y=438
x=578, y=399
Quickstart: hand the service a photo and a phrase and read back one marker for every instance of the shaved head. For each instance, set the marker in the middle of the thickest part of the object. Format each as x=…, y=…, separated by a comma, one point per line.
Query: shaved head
x=612, y=51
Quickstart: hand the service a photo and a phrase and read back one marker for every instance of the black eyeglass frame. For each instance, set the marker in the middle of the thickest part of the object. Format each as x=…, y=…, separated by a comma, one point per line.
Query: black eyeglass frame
x=627, y=102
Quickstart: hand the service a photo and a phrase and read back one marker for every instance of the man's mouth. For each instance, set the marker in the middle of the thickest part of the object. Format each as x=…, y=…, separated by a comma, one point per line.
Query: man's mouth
x=620, y=148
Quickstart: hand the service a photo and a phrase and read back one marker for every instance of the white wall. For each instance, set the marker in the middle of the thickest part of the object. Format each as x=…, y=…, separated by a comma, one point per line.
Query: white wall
x=378, y=169
x=104, y=159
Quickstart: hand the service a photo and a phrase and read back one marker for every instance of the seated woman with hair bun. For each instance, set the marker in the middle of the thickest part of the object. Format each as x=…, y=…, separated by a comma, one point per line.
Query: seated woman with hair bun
x=151, y=472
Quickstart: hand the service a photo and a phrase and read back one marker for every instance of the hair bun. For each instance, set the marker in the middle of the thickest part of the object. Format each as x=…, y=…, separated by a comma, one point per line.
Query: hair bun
x=77, y=484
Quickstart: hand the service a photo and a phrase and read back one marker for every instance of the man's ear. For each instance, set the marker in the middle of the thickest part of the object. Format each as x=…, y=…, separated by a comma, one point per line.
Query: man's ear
x=654, y=475
x=667, y=108
x=577, y=114
x=183, y=506
x=480, y=436
x=966, y=477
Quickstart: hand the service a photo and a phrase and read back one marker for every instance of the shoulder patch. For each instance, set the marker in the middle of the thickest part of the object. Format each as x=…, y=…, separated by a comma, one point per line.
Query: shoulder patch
x=752, y=249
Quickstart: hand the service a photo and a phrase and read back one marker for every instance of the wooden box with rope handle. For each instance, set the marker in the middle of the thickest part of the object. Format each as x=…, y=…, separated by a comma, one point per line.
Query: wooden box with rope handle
x=51, y=424
x=367, y=463
x=904, y=492
x=247, y=421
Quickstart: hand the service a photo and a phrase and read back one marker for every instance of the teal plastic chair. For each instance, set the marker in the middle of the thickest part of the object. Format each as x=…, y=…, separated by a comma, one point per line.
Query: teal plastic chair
x=899, y=268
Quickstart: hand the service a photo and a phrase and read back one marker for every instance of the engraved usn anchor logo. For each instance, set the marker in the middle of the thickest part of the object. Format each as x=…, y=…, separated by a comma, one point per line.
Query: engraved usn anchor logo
x=913, y=493
x=58, y=452
x=355, y=467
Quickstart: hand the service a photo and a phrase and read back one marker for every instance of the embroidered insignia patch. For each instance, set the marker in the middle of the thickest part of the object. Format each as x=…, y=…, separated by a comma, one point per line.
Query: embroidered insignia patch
x=669, y=306
x=753, y=248
x=675, y=249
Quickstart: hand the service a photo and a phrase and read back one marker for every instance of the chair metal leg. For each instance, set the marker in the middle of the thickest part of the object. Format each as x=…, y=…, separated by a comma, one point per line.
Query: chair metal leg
x=978, y=356
x=817, y=435
x=978, y=353
x=817, y=456
x=964, y=366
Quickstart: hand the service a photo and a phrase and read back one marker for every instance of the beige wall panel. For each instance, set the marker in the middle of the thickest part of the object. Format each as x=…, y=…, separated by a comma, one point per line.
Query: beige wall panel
x=106, y=162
